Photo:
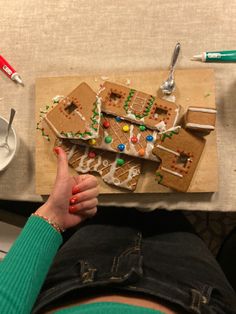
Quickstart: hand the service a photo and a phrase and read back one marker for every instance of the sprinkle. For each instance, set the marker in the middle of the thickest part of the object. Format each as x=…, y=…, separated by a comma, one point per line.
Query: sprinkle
x=92, y=154
x=118, y=119
x=149, y=138
x=125, y=128
x=141, y=152
x=106, y=124
x=92, y=141
x=120, y=161
x=121, y=147
x=134, y=139
x=108, y=139
x=142, y=128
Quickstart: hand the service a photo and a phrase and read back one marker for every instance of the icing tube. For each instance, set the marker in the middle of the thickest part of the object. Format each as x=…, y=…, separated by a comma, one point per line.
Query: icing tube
x=9, y=71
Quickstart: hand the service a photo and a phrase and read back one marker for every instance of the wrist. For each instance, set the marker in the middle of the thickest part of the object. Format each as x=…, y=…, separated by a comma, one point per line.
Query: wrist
x=48, y=214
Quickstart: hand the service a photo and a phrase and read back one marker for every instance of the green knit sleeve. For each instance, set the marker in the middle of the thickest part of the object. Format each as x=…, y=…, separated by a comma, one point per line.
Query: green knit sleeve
x=23, y=270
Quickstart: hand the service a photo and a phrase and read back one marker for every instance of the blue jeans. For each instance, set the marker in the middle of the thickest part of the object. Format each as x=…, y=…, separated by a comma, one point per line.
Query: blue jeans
x=154, y=254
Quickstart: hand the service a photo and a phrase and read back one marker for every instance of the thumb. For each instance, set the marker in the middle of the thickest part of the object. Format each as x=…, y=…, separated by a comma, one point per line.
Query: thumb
x=62, y=164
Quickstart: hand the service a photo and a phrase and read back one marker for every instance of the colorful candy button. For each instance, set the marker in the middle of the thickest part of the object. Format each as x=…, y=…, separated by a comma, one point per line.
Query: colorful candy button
x=92, y=154
x=149, y=138
x=92, y=141
x=120, y=161
x=121, y=147
x=142, y=128
x=108, y=139
x=134, y=139
x=106, y=124
x=125, y=128
x=141, y=152
x=118, y=119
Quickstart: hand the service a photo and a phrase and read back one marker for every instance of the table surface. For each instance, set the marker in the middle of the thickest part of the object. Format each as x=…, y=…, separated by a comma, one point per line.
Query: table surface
x=61, y=38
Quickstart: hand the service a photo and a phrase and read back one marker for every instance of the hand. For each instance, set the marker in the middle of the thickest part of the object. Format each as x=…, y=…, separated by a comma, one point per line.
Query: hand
x=79, y=191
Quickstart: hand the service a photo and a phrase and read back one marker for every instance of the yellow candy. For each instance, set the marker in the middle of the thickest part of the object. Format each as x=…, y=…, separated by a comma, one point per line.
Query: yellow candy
x=125, y=128
x=92, y=141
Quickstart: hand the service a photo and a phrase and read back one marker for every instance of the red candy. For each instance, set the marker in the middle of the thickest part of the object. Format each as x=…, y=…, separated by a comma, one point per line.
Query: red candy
x=106, y=124
x=134, y=139
x=91, y=154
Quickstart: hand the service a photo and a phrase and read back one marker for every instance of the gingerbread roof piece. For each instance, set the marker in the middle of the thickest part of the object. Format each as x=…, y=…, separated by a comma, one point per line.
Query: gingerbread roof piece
x=116, y=170
x=200, y=119
x=77, y=115
x=121, y=136
x=179, y=152
x=138, y=107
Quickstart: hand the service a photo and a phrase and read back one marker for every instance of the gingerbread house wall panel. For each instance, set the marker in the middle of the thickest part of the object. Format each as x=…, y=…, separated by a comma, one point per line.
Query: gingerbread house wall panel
x=76, y=115
x=200, y=118
x=138, y=107
x=179, y=153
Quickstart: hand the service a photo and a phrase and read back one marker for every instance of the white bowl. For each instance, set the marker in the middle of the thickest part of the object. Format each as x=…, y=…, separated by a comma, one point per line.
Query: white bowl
x=6, y=156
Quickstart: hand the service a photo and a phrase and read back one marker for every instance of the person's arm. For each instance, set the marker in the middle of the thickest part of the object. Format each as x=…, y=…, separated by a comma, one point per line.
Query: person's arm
x=23, y=270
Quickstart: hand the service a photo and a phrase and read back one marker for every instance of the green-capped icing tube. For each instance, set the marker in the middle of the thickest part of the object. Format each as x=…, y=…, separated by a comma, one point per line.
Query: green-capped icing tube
x=216, y=56
x=221, y=56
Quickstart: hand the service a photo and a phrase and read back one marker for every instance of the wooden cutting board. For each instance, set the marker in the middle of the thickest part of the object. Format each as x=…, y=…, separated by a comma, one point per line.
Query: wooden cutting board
x=194, y=87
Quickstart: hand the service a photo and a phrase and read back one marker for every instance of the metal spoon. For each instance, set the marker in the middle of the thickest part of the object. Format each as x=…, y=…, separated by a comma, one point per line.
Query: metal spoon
x=5, y=143
x=168, y=86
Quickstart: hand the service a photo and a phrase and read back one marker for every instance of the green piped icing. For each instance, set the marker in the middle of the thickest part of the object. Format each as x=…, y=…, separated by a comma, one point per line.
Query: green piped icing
x=71, y=134
x=168, y=135
x=46, y=136
x=159, y=177
x=95, y=114
x=147, y=109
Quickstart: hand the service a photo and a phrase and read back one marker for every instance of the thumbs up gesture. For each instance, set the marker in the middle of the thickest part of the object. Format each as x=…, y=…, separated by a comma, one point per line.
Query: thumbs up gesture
x=73, y=199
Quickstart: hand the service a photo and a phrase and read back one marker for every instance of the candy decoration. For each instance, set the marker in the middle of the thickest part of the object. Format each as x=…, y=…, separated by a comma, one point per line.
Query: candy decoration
x=141, y=152
x=142, y=128
x=120, y=162
x=125, y=128
x=106, y=124
x=108, y=139
x=121, y=147
x=118, y=119
x=134, y=139
x=149, y=138
x=92, y=154
x=92, y=141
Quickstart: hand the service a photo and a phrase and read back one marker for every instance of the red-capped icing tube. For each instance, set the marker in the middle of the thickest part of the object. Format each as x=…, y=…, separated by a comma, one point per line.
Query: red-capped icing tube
x=9, y=71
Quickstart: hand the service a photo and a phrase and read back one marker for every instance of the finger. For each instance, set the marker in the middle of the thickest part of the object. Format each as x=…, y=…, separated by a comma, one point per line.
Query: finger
x=62, y=163
x=84, y=196
x=88, y=183
x=83, y=206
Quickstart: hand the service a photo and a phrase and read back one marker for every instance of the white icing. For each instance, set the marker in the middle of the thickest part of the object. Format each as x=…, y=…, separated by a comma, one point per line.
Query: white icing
x=105, y=163
x=80, y=115
x=109, y=177
x=170, y=98
x=167, y=150
x=197, y=109
x=150, y=145
x=81, y=167
x=57, y=98
x=161, y=126
x=99, y=162
x=200, y=126
x=172, y=172
x=71, y=152
x=177, y=110
x=131, y=116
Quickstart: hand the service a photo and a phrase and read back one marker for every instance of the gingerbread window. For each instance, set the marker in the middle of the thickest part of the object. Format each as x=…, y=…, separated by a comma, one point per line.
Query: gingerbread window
x=71, y=108
x=182, y=162
x=160, y=113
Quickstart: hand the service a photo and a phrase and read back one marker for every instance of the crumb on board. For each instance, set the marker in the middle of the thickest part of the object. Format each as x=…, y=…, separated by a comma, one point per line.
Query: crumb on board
x=104, y=78
x=207, y=95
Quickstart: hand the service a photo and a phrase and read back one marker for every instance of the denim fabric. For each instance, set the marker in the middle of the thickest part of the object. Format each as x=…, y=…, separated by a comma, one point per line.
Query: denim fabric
x=156, y=254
